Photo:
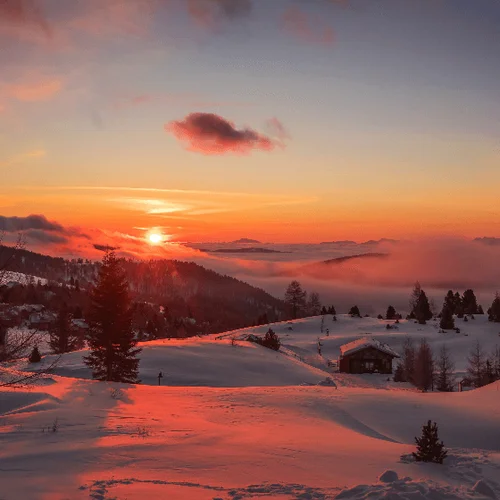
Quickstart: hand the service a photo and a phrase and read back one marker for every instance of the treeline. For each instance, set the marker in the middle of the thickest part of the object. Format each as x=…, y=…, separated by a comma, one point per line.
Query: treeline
x=419, y=366
x=300, y=304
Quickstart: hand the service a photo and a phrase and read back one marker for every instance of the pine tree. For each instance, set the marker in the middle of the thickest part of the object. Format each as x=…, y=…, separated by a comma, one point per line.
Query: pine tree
x=447, y=322
x=459, y=306
x=271, y=340
x=424, y=366
x=494, y=310
x=445, y=367
x=63, y=337
x=354, y=312
x=391, y=313
x=113, y=351
x=469, y=302
x=489, y=373
x=429, y=448
x=35, y=356
x=422, y=309
x=476, y=366
x=449, y=301
x=409, y=361
x=295, y=298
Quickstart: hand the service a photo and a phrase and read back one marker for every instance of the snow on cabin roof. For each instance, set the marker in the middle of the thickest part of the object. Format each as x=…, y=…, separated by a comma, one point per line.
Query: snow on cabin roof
x=363, y=343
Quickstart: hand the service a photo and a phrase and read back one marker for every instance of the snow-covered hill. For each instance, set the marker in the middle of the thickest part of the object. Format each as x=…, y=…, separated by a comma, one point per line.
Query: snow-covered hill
x=241, y=421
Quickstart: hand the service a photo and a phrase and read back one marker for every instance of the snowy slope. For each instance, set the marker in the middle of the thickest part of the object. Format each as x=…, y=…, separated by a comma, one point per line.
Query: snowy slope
x=236, y=422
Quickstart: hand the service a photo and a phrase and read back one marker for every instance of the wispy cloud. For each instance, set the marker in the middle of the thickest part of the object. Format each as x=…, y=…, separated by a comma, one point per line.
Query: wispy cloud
x=307, y=27
x=210, y=134
x=23, y=157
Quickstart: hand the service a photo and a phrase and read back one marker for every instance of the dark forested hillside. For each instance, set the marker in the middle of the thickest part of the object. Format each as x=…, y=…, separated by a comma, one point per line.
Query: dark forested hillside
x=172, y=297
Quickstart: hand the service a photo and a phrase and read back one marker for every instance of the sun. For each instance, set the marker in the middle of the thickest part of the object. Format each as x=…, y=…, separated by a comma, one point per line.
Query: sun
x=155, y=238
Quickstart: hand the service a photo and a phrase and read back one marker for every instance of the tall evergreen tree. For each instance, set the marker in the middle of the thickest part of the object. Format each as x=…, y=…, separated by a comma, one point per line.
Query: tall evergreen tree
x=295, y=298
x=63, y=337
x=459, y=306
x=391, y=313
x=469, y=302
x=450, y=302
x=424, y=366
x=494, y=310
x=113, y=347
x=429, y=448
x=447, y=322
x=422, y=309
x=354, y=312
x=477, y=364
x=445, y=371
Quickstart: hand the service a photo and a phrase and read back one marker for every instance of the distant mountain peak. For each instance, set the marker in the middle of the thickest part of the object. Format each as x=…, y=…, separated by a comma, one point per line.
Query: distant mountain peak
x=245, y=240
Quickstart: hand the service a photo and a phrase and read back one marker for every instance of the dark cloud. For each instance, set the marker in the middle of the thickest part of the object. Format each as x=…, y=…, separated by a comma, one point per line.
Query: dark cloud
x=44, y=236
x=39, y=222
x=211, y=134
x=104, y=248
x=23, y=14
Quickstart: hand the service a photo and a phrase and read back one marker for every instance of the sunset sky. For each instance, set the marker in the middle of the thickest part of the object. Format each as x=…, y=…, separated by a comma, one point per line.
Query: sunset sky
x=280, y=120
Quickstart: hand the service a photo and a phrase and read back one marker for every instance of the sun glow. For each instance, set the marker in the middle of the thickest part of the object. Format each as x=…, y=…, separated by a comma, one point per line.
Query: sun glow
x=155, y=238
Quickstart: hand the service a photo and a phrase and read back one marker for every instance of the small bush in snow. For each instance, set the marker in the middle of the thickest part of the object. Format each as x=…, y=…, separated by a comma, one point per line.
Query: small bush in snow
x=35, y=356
x=429, y=448
x=271, y=340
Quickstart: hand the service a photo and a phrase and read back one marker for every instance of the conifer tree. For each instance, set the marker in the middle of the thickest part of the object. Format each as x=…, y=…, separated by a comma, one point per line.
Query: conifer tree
x=391, y=313
x=35, y=356
x=447, y=322
x=429, y=448
x=271, y=340
x=354, y=312
x=424, y=366
x=449, y=301
x=445, y=371
x=469, y=302
x=459, y=306
x=63, y=337
x=476, y=366
x=494, y=310
x=113, y=347
x=422, y=309
x=313, y=304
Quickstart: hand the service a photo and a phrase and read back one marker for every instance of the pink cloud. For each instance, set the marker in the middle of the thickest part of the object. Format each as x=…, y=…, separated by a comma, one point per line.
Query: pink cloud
x=307, y=27
x=211, y=134
x=37, y=90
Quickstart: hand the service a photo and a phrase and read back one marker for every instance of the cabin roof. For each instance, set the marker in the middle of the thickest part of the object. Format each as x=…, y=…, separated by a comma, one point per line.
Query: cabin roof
x=366, y=342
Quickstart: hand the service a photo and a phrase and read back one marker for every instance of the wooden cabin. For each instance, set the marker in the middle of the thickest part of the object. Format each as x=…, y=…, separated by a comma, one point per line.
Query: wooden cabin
x=366, y=355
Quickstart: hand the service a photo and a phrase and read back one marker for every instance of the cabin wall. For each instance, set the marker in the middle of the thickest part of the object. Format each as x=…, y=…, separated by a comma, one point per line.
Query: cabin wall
x=367, y=360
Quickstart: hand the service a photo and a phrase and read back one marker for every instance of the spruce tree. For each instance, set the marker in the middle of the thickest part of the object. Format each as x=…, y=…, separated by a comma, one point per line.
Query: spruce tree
x=271, y=340
x=469, y=302
x=113, y=347
x=35, y=356
x=354, y=312
x=422, y=309
x=429, y=448
x=459, y=306
x=63, y=337
x=445, y=371
x=391, y=313
x=449, y=301
x=314, y=304
x=447, y=322
x=494, y=310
